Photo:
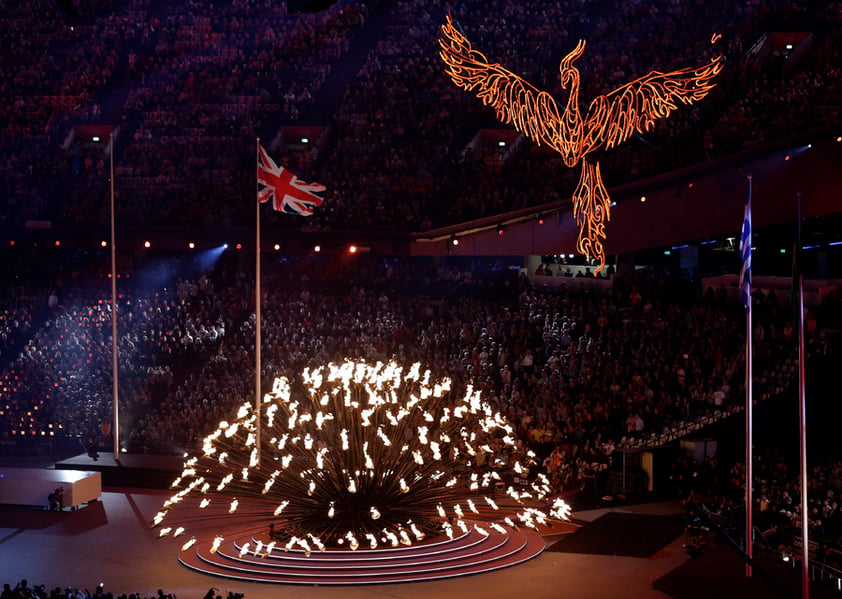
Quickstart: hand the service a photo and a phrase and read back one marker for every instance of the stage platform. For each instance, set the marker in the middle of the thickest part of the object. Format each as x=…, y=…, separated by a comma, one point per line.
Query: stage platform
x=32, y=486
x=132, y=470
x=111, y=539
x=470, y=553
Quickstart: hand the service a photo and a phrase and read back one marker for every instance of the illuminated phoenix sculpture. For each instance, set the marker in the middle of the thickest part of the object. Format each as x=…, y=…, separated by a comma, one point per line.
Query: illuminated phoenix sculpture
x=609, y=121
x=359, y=454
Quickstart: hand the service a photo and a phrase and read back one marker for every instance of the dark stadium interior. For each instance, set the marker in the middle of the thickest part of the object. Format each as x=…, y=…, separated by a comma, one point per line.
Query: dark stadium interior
x=630, y=386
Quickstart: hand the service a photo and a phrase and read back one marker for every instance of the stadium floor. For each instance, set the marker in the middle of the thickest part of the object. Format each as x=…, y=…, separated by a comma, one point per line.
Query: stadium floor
x=110, y=541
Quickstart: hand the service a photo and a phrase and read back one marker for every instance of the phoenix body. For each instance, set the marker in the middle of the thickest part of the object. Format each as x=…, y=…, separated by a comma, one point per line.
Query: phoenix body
x=609, y=120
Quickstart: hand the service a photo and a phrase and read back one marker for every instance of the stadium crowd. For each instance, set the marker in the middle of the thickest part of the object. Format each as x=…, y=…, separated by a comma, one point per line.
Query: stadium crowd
x=15, y=323
x=577, y=373
x=778, y=504
x=23, y=590
x=60, y=382
x=189, y=86
x=776, y=516
x=182, y=80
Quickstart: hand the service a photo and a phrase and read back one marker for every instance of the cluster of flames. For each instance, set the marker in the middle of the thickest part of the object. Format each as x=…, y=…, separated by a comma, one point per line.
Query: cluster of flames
x=361, y=454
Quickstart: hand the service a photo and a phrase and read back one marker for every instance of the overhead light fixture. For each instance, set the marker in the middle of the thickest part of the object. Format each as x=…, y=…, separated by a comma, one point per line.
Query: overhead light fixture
x=500, y=230
x=454, y=240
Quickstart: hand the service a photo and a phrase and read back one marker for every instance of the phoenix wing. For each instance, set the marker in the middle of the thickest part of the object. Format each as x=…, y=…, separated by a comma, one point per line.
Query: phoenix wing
x=516, y=101
x=635, y=107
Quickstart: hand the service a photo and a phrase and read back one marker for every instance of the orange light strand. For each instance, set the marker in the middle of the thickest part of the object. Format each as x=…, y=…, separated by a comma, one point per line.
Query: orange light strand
x=610, y=119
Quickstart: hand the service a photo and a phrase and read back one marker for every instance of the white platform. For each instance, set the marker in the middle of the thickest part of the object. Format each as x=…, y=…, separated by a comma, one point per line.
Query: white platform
x=30, y=486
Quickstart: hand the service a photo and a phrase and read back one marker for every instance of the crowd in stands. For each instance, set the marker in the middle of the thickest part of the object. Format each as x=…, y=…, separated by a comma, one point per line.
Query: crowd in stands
x=207, y=80
x=60, y=382
x=577, y=373
x=778, y=504
x=720, y=485
x=15, y=323
x=719, y=489
x=23, y=590
x=184, y=80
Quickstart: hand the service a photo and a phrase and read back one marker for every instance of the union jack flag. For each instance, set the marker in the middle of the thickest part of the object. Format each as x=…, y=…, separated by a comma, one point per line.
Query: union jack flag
x=288, y=193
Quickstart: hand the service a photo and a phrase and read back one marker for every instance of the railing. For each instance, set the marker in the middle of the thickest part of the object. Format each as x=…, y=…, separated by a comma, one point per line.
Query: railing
x=692, y=424
x=680, y=430
x=817, y=571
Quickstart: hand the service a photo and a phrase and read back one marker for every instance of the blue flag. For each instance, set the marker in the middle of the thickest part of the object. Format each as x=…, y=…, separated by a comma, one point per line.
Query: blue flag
x=745, y=252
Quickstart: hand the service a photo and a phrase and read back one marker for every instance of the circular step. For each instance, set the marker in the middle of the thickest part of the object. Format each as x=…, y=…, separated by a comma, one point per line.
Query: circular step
x=470, y=553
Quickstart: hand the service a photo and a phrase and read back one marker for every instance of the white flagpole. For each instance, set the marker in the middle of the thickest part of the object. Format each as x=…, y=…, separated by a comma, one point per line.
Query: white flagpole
x=802, y=413
x=749, y=408
x=116, y=409
x=257, y=302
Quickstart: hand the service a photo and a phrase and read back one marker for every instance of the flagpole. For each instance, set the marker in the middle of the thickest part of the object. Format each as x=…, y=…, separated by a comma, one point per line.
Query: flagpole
x=749, y=406
x=287, y=191
x=802, y=412
x=116, y=408
x=257, y=302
